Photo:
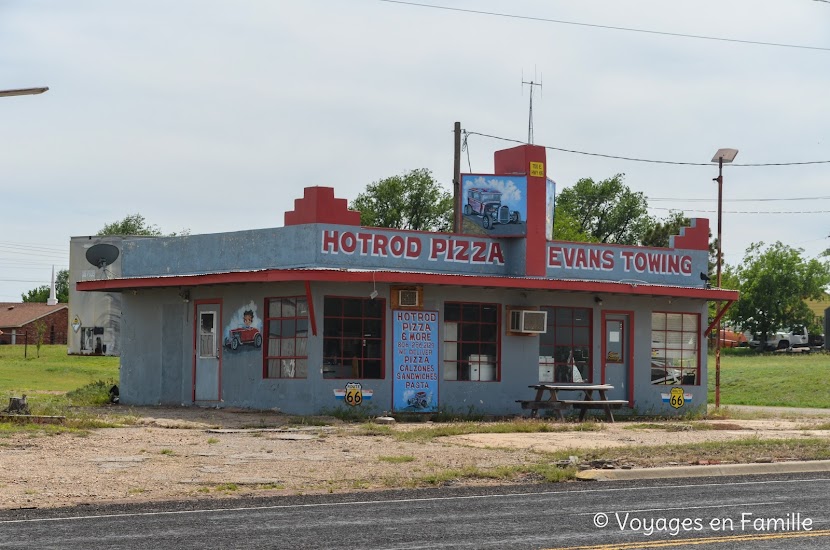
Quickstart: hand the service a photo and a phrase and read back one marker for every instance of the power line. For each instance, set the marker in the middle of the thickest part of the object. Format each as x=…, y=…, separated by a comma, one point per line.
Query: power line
x=652, y=161
x=744, y=211
x=25, y=250
x=607, y=27
x=668, y=199
x=29, y=267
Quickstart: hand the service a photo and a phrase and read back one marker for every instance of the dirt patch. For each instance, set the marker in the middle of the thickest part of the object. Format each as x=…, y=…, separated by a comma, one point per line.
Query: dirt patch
x=208, y=453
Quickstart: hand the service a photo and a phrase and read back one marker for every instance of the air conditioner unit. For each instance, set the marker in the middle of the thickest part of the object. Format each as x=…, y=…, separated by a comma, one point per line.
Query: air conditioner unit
x=528, y=321
x=409, y=298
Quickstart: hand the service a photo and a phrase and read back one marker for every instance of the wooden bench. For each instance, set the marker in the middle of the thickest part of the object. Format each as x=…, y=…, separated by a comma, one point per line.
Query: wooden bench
x=536, y=405
x=553, y=402
x=606, y=405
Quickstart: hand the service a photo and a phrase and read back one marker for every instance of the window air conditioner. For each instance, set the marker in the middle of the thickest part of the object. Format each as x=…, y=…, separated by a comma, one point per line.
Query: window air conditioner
x=528, y=321
x=409, y=298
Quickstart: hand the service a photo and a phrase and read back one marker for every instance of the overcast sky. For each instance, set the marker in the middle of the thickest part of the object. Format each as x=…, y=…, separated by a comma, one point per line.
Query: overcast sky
x=213, y=115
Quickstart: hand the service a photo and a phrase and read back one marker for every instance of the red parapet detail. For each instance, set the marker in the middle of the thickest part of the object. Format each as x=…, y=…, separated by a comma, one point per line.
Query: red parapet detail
x=694, y=237
x=516, y=160
x=318, y=205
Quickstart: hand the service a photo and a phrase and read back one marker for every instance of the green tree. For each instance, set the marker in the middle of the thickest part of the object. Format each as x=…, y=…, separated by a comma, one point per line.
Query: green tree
x=659, y=232
x=608, y=210
x=40, y=332
x=774, y=284
x=411, y=201
x=135, y=224
x=41, y=293
x=567, y=228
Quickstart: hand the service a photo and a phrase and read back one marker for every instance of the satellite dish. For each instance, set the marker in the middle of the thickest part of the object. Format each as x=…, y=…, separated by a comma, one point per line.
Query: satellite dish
x=102, y=254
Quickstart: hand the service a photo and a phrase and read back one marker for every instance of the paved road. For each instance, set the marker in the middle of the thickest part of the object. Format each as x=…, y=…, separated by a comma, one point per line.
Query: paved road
x=740, y=512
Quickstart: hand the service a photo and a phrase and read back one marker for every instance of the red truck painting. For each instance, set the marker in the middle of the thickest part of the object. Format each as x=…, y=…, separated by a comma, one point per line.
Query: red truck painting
x=486, y=203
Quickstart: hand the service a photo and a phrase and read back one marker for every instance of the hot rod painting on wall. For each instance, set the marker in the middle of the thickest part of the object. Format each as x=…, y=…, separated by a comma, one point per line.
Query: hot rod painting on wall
x=245, y=328
x=494, y=205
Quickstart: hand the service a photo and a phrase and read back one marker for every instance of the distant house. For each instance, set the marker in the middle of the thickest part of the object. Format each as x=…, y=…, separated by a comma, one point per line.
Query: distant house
x=18, y=322
x=818, y=307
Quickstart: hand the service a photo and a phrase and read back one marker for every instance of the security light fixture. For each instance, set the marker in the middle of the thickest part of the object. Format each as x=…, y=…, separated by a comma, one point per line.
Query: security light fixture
x=727, y=155
x=598, y=300
x=23, y=91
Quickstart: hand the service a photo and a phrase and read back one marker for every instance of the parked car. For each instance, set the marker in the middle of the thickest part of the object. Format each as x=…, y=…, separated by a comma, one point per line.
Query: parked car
x=732, y=339
x=816, y=340
x=796, y=337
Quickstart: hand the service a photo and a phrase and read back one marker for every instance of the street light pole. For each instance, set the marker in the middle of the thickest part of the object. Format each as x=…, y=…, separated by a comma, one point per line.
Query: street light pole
x=23, y=91
x=723, y=155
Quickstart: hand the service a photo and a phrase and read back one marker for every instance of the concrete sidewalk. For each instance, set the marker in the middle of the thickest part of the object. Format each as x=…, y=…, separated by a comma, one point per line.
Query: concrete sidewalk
x=717, y=470
x=772, y=411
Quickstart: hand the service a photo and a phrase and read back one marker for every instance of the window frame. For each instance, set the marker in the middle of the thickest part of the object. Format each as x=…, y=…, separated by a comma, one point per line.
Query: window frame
x=562, y=366
x=343, y=337
x=269, y=318
x=459, y=364
x=213, y=334
x=683, y=370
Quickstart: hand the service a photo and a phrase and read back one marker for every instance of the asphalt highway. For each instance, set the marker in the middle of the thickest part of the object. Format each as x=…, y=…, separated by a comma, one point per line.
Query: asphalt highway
x=725, y=512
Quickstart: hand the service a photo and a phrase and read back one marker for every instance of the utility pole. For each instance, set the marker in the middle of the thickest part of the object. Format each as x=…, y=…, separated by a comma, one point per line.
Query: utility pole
x=722, y=155
x=530, y=115
x=456, y=180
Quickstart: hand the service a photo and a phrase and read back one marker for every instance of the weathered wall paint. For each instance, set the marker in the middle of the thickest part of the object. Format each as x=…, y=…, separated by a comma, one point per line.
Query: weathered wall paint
x=158, y=352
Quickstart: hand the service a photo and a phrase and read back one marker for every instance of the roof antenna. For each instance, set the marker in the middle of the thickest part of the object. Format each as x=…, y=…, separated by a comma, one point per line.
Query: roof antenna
x=531, y=83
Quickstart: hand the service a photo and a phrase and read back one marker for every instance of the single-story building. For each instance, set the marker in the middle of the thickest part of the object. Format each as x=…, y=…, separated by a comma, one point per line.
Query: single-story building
x=94, y=325
x=324, y=313
x=19, y=322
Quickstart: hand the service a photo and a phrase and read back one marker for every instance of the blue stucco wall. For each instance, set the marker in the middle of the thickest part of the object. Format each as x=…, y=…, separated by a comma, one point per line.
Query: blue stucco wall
x=317, y=245
x=157, y=356
x=276, y=248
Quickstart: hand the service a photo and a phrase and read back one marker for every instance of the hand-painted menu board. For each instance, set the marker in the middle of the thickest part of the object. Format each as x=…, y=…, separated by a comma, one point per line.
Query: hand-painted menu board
x=415, y=361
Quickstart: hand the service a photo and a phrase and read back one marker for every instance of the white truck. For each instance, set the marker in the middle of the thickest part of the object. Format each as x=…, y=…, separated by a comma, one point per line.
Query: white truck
x=794, y=338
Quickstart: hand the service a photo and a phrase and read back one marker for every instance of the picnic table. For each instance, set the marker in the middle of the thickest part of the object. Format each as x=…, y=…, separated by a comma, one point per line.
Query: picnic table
x=589, y=396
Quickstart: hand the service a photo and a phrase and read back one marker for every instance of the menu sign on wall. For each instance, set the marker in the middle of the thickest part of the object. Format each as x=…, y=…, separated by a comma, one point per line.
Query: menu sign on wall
x=415, y=361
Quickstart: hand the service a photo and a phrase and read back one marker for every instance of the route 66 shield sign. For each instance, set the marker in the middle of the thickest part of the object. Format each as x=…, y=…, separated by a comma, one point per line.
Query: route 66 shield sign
x=676, y=398
x=354, y=394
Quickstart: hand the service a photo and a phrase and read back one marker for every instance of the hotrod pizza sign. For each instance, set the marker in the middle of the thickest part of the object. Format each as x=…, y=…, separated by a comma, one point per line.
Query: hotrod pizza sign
x=432, y=248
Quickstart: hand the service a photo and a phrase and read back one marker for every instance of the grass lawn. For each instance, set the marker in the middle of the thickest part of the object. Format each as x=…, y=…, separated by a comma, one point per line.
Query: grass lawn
x=53, y=371
x=772, y=379
x=747, y=378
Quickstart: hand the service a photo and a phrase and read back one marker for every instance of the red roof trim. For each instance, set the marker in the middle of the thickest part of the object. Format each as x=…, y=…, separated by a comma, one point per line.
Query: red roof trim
x=280, y=275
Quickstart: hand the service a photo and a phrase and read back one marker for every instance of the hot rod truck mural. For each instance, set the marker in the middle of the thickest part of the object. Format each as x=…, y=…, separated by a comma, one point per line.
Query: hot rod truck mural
x=487, y=204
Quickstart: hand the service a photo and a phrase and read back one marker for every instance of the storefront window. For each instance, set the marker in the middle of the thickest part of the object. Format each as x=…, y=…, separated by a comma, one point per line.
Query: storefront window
x=286, y=324
x=353, y=339
x=471, y=341
x=565, y=347
x=675, y=348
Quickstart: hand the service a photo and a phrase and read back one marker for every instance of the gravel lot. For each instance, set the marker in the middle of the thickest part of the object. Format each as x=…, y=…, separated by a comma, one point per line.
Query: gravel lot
x=177, y=453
